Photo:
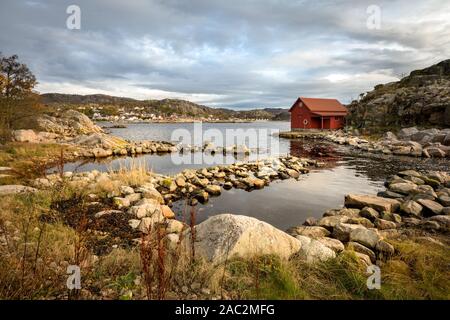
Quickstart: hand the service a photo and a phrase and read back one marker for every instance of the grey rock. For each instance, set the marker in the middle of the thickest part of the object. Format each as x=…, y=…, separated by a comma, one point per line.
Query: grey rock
x=403, y=188
x=377, y=203
x=411, y=207
x=309, y=231
x=226, y=236
x=106, y=213
x=313, y=251
x=444, y=200
x=431, y=207
x=386, y=248
x=369, y=213
x=357, y=247
x=365, y=237
x=442, y=220
x=384, y=224
x=342, y=231
x=15, y=189
x=334, y=244
x=126, y=190
x=430, y=225
x=407, y=132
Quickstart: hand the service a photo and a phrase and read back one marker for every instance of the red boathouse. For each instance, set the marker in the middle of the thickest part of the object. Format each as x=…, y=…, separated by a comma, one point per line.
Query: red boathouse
x=315, y=113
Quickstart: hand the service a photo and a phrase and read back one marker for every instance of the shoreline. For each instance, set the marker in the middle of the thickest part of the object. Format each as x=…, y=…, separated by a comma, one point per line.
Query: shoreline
x=126, y=207
x=429, y=143
x=182, y=121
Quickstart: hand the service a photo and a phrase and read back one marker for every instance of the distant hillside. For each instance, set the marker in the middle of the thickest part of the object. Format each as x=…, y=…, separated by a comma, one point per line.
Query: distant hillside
x=422, y=98
x=165, y=107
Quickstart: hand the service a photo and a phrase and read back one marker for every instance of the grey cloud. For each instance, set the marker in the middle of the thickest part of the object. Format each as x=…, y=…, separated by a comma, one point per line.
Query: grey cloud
x=235, y=52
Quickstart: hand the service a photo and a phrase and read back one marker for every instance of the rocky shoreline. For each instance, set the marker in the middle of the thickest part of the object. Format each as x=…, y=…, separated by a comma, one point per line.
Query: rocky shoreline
x=92, y=141
x=196, y=185
x=413, y=203
x=428, y=143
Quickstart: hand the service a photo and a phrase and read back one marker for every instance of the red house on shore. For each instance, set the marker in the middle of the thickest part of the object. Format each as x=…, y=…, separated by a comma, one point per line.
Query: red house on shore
x=315, y=113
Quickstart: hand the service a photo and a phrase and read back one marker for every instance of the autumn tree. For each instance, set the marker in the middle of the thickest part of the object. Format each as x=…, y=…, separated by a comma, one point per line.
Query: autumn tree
x=17, y=99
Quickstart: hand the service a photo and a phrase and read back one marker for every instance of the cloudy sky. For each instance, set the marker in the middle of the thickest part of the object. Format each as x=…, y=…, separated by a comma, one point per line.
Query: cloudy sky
x=239, y=54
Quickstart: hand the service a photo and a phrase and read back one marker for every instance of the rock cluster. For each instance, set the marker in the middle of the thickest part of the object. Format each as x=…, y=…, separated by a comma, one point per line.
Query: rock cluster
x=198, y=185
x=430, y=143
x=411, y=200
x=210, y=148
x=100, y=145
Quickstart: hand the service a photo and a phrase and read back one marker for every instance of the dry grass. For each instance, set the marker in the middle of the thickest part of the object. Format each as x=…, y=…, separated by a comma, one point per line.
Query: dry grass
x=421, y=270
x=418, y=271
x=134, y=174
x=34, y=257
x=30, y=160
x=35, y=254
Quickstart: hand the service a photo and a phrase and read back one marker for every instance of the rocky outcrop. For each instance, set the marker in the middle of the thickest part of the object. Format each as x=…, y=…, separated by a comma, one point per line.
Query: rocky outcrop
x=58, y=128
x=422, y=98
x=68, y=123
x=225, y=236
x=73, y=127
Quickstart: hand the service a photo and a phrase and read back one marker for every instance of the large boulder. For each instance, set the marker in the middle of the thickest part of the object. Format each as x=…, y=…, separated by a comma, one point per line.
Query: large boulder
x=378, y=203
x=68, y=123
x=226, y=235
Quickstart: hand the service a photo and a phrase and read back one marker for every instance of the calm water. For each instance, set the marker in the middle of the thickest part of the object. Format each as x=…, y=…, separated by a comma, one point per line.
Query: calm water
x=284, y=203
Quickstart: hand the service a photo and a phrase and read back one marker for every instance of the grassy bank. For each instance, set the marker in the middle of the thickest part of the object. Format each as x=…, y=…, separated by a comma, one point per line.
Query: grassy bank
x=30, y=160
x=38, y=243
x=42, y=233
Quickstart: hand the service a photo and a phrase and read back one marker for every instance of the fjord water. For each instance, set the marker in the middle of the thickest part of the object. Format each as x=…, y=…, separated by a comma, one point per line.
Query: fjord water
x=283, y=203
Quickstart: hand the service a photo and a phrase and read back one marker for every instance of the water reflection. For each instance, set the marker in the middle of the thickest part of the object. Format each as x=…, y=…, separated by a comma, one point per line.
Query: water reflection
x=283, y=203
